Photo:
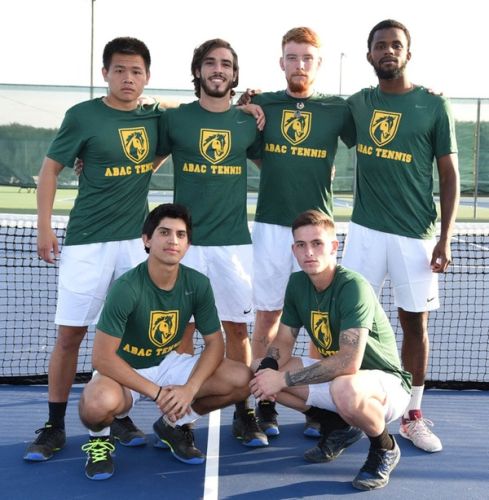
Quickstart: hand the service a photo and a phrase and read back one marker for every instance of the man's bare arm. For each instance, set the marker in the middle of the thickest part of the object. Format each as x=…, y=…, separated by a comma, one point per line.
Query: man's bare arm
x=346, y=361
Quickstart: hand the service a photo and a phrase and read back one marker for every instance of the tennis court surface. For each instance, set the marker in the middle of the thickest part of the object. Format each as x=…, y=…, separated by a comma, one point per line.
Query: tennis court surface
x=233, y=471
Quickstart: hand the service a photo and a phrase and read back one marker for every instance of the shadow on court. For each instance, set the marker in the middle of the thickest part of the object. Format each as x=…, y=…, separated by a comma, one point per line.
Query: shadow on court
x=277, y=472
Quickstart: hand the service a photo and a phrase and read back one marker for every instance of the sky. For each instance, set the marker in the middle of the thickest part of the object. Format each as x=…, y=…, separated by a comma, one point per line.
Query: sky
x=48, y=41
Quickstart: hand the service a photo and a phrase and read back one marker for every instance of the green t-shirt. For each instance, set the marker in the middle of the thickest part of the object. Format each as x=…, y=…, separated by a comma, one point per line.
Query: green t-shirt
x=149, y=321
x=209, y=152
x=117, y=149
x=300, y=141
x=348, y=302
x=398, y=137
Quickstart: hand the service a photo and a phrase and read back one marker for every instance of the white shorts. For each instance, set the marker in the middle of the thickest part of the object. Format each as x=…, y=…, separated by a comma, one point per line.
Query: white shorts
x=397, y=398
x=175, y=369
x=406, y=261
x=273, y=262
x=229, y=271
x=85, y=275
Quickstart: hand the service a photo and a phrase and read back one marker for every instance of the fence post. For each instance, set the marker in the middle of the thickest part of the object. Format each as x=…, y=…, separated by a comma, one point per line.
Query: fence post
x=477, y=144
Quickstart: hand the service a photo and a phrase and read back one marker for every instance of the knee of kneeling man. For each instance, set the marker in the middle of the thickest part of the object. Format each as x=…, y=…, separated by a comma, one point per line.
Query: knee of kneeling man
x=343, y=392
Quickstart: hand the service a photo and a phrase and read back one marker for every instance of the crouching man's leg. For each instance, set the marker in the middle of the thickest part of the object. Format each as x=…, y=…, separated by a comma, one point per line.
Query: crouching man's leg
x=101, y=401
x=228, y=385
x=369, y=400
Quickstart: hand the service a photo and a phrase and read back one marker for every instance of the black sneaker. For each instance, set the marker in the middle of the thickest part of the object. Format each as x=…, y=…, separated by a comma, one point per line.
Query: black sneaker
x=124, y=430
x=266, y=417
x=180, y=440
x=376, y=470
x=312, y=428
x=332, y=445
x=50, y=439
x=99, y=463
x=247, y=430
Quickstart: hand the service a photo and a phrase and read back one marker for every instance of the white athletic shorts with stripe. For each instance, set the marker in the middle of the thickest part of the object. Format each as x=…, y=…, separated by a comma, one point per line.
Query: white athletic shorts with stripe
x=396, y=401
x=229, y=271
x=406, y=261
x=273, y=263
x=85, y=275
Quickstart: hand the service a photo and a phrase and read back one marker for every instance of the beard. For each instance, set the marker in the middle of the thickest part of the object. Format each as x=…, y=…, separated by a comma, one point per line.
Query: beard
x=216, y=92
x=389, y=74
x=301, y=85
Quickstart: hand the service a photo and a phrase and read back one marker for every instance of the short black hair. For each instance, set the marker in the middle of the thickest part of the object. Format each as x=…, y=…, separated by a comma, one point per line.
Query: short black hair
x=386, y=24
x=170, y=210
x=126, y=45
x=201, y=52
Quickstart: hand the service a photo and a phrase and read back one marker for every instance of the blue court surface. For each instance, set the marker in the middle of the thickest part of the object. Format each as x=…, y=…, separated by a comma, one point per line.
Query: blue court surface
x=233, y=471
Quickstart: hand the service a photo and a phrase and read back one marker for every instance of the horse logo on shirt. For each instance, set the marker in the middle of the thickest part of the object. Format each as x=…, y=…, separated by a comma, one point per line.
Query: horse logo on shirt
x=134, y=143
x=383, y=126
x=215, y=145
x=163, y=327
x=321, y=330
x=296, y=125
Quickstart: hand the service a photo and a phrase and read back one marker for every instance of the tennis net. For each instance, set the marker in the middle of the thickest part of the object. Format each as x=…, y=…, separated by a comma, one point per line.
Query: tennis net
x=459, y=356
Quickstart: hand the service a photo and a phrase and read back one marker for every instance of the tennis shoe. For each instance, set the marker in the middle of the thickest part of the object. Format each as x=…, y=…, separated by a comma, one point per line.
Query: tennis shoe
x=332, y=445
x=376, y=470
x=266, y=416
x=312, y=428
x=124, y=430
x=99, y=464
x=416, y=429
x=49, y=440
x=180, y=440
x=247, y=430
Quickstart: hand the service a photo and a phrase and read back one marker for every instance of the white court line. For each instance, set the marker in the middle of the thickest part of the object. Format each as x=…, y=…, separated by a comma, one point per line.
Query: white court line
x=211, y=480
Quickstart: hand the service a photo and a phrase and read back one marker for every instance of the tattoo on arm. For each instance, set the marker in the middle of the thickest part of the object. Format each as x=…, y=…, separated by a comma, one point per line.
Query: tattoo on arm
x=350, y=337
x=332, y=367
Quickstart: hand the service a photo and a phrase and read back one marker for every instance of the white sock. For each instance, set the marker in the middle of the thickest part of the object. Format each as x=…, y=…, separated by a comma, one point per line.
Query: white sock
x=415, y=401
x=105, y=432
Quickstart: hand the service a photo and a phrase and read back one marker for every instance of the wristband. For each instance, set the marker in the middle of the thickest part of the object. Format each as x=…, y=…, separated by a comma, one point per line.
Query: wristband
x=268, y=362
x=157, y=395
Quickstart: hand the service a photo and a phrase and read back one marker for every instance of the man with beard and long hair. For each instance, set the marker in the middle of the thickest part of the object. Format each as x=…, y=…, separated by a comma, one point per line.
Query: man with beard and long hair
x=401, y=129
x=300, y=142
x=210, y=140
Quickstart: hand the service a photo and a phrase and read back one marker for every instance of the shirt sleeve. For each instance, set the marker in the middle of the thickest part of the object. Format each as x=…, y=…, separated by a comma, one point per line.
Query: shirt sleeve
x=68, y=143
x=205, y=311
x=119, y=304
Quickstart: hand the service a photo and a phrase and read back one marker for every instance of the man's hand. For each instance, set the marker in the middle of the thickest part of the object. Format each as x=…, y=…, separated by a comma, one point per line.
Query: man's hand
x=267, y=384
x=78, y=166
x=441, y=257
x=47, y=245
x=246, y=96
x=175, y=400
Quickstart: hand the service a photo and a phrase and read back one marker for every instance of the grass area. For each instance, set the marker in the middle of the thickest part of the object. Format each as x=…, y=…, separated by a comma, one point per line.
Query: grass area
x=22, y=201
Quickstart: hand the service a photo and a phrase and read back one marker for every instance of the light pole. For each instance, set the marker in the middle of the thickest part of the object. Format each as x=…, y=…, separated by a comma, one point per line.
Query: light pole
x=91, y=49
x=342, y=55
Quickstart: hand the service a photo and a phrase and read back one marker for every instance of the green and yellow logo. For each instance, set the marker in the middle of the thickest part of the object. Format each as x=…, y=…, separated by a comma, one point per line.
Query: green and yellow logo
x=383, y=126
x=215, y=145
x=135, y=143
x=296, y=125
x=321, y=330
x=163, y=327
